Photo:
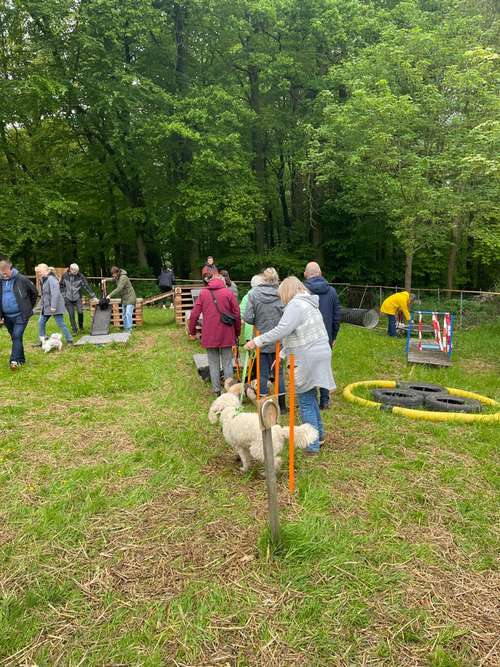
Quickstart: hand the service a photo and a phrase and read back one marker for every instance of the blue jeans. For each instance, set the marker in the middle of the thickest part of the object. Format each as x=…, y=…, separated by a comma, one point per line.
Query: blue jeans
x=42, y=323
x=267, y=359
x=127, y=314
x=391, y=325
x=15, y=327
x=310, y=414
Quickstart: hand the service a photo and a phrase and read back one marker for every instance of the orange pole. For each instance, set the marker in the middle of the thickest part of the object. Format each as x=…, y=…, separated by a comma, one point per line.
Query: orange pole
x=291, y=451
x=257, y=363
x=277, y=370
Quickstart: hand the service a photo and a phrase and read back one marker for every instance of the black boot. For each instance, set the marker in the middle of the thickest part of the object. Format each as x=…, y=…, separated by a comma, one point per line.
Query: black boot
x=80, y=321
x=282, y=404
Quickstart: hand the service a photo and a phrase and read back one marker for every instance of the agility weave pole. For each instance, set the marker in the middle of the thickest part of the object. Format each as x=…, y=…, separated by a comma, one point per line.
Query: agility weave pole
x=277, y=370
x=257, y=364
x=291, y=446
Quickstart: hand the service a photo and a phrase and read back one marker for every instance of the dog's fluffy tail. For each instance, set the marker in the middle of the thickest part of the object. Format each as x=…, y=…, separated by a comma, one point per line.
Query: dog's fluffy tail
x=304, y=435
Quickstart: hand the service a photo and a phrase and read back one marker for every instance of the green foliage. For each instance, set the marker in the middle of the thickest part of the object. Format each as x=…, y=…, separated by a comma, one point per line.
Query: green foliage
x=364, y=135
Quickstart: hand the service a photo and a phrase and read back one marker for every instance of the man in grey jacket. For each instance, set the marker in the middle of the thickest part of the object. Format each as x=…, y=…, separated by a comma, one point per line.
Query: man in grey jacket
x=73, y=284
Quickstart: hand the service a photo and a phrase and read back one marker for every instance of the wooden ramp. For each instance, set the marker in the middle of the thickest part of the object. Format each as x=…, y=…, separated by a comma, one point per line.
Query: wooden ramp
x=116, y=312
x=434, y=357
x=150, y=300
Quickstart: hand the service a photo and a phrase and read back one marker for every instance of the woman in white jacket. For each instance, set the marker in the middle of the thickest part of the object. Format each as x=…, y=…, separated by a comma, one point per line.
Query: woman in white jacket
x=302, y=332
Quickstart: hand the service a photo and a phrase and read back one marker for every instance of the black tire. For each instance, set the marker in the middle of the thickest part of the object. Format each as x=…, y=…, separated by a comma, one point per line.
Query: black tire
x=404, y=398
x=422, y=388
x=449, y=403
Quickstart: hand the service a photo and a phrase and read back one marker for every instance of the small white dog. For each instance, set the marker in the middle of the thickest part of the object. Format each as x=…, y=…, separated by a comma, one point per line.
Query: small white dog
x=54, y=342
x=242, y=432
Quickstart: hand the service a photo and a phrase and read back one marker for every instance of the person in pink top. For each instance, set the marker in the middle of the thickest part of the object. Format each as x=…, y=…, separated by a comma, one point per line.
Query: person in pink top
x=221, y=327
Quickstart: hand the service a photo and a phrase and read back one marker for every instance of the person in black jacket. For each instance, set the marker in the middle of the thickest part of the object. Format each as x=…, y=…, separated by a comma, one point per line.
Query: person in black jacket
x=329, y=305
x=17, y=298
x=166, y=279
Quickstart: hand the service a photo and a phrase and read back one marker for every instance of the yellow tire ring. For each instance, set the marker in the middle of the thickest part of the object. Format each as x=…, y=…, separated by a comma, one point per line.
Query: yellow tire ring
x=424, y=414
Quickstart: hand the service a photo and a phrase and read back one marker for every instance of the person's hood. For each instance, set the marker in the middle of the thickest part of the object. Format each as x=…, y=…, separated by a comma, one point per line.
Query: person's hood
x=312, y=299
x=216, y=283
x=317, y=285
x=14, y=273
x=122, y=273
x=266, y=292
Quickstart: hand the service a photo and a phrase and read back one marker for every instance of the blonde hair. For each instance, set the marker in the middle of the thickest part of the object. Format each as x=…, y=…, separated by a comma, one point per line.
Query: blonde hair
x=289, y=288
x=41, y=267
x=270, y=275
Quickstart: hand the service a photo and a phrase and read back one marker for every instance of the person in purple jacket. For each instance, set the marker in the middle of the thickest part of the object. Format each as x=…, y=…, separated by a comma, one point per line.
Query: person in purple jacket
x=329, y=306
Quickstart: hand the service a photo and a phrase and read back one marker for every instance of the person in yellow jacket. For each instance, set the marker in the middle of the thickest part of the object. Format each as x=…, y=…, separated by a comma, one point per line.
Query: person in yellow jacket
x=398, y=302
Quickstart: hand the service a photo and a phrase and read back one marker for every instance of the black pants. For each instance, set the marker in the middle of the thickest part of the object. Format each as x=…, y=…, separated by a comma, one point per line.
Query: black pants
x=71, y=306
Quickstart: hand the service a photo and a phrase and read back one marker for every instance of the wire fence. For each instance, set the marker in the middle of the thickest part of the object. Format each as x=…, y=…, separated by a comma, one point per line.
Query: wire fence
x=470, y=307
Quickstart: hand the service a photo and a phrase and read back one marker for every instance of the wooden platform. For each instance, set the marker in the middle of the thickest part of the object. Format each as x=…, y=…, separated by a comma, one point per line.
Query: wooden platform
x=116, y=313
x=183, y=300
x=431, y=357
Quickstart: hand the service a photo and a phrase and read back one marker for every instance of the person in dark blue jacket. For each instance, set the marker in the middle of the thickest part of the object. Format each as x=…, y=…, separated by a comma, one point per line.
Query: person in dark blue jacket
x=17, y=298
x=329, y=305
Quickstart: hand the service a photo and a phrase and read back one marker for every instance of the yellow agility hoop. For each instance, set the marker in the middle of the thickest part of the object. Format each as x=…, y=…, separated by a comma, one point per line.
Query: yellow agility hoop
x=427, y=415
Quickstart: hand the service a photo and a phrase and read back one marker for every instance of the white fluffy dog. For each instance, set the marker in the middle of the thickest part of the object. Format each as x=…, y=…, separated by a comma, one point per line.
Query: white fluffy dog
x=242, y=432
x=54, y=342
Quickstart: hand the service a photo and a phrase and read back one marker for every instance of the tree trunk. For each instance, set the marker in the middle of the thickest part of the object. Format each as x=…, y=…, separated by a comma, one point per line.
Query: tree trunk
x=456, y=232
x=282, y=195
x=408, y=269
x=297, y=192
x=259, y=160
x=142, y=257
x=194, y=259
x=181, y=59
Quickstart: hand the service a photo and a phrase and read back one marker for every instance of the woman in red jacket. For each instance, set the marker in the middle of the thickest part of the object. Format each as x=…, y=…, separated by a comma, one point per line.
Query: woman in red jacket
x=217, y=303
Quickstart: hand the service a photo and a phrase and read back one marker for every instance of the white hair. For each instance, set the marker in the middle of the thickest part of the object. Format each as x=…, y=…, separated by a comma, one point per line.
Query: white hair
x=74, y=267
x=257, y=280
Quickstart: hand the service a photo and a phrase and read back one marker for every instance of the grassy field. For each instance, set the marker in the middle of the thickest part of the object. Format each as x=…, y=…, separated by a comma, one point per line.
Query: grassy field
x=128, y=537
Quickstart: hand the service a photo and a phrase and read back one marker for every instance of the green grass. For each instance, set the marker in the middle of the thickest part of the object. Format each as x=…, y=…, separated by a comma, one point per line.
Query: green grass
x=127, y=536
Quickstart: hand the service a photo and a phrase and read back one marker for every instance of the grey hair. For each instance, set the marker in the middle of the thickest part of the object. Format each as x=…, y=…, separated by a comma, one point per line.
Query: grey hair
x=257, y=280
x=74, y=266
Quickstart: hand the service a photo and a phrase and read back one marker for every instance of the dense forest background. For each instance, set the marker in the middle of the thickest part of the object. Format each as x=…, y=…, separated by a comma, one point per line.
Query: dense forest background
x=362, y=133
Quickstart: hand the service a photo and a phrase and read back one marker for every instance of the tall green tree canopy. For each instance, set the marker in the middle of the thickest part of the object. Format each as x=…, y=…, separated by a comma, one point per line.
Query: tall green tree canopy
x=362, y=133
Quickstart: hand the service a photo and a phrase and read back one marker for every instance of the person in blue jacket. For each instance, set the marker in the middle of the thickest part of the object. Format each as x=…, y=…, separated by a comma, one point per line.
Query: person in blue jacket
x=17, y=298
x=329, y=306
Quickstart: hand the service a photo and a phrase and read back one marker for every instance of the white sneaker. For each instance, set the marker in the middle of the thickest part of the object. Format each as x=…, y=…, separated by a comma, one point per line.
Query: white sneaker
x=14, y=366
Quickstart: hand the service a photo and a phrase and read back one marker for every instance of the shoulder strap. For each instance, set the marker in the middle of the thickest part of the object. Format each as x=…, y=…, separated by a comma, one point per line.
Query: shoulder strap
x=215, y=301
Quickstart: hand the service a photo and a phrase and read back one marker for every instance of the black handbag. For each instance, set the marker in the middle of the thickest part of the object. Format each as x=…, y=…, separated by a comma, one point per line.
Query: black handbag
x=225, y=318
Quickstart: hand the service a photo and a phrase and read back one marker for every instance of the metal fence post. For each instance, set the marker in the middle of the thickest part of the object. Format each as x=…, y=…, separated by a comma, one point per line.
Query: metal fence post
x=461, y=308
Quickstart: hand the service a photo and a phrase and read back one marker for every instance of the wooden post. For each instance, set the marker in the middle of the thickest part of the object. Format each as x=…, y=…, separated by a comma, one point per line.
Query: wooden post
x=268, y=416
x=277, y=370
x=291, y=451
